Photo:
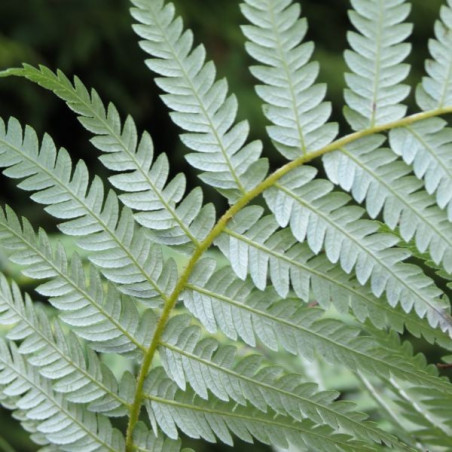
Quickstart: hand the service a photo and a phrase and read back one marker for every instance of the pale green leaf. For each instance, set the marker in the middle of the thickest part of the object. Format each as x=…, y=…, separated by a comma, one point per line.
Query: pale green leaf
x=201, y=106
x=207, y=366
x=124, y=253
x=294, y=105
x=426, y=147
x=436, y=89
x=173, y=410
x=69, y=426
x=374, y=90
x=145, y=180
x=374, y=175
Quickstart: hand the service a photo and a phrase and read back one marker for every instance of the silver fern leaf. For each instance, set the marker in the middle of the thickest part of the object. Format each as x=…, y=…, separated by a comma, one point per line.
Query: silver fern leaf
x=194, y=310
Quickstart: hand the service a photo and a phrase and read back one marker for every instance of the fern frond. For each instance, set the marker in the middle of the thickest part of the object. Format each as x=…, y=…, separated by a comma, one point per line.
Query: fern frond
x=67, y=425
x=325, y=221
x=436, y=89
x=313, y=278
x=294, y=105
x=75, y=371
x=207, y=366
x=110, y=322
x=300, y=330
x=374, y=175
x=123, y=253
x=144, y=180
x=308, y=246
x=171, y=410
x=426, y=146
x=374, y=88
x=200, y=105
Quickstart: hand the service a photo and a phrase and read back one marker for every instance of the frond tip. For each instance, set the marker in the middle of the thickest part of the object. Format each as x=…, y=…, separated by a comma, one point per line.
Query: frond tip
x=294, y=104
x=374, y=88
x=200, y=105
x=436, y=89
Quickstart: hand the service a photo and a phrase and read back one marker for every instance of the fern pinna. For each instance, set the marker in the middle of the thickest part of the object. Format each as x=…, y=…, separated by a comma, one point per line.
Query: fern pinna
x=313, y=283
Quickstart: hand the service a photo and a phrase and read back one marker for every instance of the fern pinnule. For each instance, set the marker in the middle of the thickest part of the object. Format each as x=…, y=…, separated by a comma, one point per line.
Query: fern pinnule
x=172, y=409
x=323, y=217
x=143, y=178
x=302, y=329
x=120, y=249
x=294, y=104
x=74, y=370
x=223, y=302
x=374, y=175
x=200, y=105
x=436, y=88
x=188, y=358
x=102, y=316
x=374, y=85
x=425, y=146
x=62, y=423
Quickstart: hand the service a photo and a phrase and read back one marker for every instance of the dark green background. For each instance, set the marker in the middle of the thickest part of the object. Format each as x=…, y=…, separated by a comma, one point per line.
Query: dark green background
x=93, y=39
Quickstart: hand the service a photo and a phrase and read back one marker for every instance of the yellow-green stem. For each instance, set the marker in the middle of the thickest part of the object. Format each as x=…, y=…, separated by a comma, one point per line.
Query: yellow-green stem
x=218, y=229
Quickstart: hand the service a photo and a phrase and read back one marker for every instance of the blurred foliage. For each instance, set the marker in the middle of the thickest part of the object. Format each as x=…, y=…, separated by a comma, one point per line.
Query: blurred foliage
x=93, y=39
